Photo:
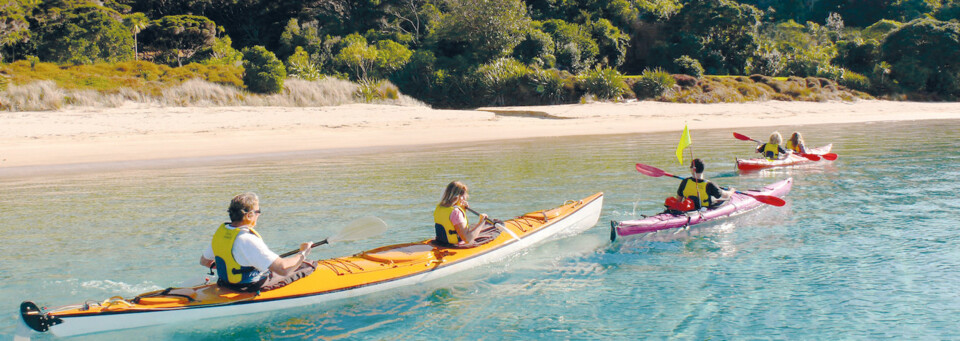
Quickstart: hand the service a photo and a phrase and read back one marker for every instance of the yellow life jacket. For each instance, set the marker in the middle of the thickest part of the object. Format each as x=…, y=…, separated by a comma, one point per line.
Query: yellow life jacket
x=446, y=232
x=796, y=148
x=771, y=151
x=696, y=191
x=227, y=267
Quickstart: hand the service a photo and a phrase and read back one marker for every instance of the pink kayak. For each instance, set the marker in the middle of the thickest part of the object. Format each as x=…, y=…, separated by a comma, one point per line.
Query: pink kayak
x=790, y=160
x=738, y=203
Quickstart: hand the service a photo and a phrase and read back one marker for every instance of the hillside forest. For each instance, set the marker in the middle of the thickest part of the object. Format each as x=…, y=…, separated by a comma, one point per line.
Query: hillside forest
x=468, y=53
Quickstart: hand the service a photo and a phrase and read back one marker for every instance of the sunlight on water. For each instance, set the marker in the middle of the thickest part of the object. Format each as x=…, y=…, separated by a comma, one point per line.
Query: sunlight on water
x=867, y=246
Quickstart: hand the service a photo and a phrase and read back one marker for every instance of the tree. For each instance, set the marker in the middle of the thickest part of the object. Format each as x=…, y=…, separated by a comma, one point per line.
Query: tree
x=575, y=48
x=135, y=22
x=536, y=45
x=179, y=37
x=297, y=35
x=489, y=28
x=263, y=72
x=611, y=42
x=14, y=26
x=220, y=53
x=391, y=57
x=84, y=34
x=722, y=34
x=924, y=55
x=357, y=55
x=412, y=17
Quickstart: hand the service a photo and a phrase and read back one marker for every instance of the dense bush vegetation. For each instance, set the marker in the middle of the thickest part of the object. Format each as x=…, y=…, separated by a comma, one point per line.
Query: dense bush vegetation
x=463, y=53
x=263, y=72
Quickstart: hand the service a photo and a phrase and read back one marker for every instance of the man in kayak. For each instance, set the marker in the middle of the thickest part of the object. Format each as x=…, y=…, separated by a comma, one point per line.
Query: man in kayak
x=699, y=191
x=450, y=218
x=772, y=150
x=243, y=260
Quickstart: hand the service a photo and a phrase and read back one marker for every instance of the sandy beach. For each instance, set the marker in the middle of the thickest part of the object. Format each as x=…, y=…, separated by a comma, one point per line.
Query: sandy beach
x=133, y=133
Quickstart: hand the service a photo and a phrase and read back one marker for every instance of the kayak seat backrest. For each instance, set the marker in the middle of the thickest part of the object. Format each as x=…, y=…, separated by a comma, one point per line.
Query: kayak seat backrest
x=401, y=253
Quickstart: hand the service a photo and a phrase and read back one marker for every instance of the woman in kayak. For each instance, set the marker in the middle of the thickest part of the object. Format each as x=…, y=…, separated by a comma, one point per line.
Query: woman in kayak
x=696, y=192
x=450, y=218
x=795, y=143
x=772, y=150
x=243, y=260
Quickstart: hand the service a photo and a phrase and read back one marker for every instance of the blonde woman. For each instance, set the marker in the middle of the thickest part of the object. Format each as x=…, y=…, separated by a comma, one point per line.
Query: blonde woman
x=772, y=150
x=795, y=143
x=450, y=218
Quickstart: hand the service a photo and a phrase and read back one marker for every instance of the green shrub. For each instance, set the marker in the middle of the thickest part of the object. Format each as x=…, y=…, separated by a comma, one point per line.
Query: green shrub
x=498, y=80
x=300, y=66
x=653, y=83
x=605, y=83
x=551, y=85
x=376, y=91
x=855, y=81
x=688, y=66
x=264, y=73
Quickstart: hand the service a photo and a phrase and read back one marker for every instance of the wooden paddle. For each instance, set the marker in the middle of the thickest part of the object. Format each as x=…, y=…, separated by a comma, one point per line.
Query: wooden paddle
x=657, y=172
x=811, y=157
x=358, y=229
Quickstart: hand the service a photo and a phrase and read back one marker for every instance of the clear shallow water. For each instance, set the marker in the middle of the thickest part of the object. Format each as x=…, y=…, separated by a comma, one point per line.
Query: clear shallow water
x=867, y=247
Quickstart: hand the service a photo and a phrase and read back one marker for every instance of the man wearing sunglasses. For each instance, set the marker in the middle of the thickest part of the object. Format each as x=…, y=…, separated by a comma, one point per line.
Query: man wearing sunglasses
x=243, y=260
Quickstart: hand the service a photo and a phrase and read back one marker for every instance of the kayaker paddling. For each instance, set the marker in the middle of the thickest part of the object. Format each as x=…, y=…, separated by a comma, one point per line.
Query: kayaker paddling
x=795, y=144
x=697, y=192
x=450, y=219
x=243, y=261
x=772, y=150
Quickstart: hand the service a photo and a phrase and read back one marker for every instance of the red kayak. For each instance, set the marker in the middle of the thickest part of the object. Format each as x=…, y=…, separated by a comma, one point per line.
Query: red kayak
x=792, y=159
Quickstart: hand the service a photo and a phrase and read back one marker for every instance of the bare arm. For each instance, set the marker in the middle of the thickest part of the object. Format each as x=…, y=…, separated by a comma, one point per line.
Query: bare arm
x=284, y=266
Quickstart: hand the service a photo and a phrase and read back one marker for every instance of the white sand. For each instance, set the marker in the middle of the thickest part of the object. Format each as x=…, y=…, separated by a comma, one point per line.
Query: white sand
x=136, y=133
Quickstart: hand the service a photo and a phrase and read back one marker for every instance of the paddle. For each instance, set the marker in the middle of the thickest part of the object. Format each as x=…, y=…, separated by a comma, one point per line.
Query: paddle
x=657, y=172
x=811, y=157
x=497, y=225
x=358, y=229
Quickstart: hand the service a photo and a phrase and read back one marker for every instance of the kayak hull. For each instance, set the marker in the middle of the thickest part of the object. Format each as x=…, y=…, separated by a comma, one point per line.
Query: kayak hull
x=736, y=205
x=367, y=272
x=790, y=160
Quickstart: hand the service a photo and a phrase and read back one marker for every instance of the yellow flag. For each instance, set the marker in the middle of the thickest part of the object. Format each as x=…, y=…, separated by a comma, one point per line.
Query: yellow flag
x=684, y=142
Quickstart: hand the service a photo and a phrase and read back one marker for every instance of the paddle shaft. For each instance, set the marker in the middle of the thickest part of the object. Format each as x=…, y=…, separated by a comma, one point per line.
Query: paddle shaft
x=497, y=225
x=293, y=252
x=657, y=172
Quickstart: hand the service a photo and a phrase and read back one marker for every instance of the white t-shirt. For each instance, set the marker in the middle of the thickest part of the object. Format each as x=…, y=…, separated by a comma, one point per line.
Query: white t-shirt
x=248, y=250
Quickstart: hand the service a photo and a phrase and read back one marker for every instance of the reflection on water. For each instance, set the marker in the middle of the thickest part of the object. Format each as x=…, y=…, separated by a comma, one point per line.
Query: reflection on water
x=867, y=246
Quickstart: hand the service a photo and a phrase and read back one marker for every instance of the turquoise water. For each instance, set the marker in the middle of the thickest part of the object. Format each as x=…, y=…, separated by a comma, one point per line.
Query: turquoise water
x=867, y=247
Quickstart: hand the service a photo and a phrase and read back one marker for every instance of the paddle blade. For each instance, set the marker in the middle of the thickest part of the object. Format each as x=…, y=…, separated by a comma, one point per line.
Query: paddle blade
x=830, y=156
x=768, y=199
x=650, y=170
x=742, y=137
x=811, y=157
x=361, y=228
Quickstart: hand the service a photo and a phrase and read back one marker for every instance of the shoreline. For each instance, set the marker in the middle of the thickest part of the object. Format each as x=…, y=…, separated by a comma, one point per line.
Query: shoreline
x=133, y=136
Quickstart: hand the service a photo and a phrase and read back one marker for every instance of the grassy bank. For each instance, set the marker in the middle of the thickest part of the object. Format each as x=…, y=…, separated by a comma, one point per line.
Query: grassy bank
x=31, y=86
